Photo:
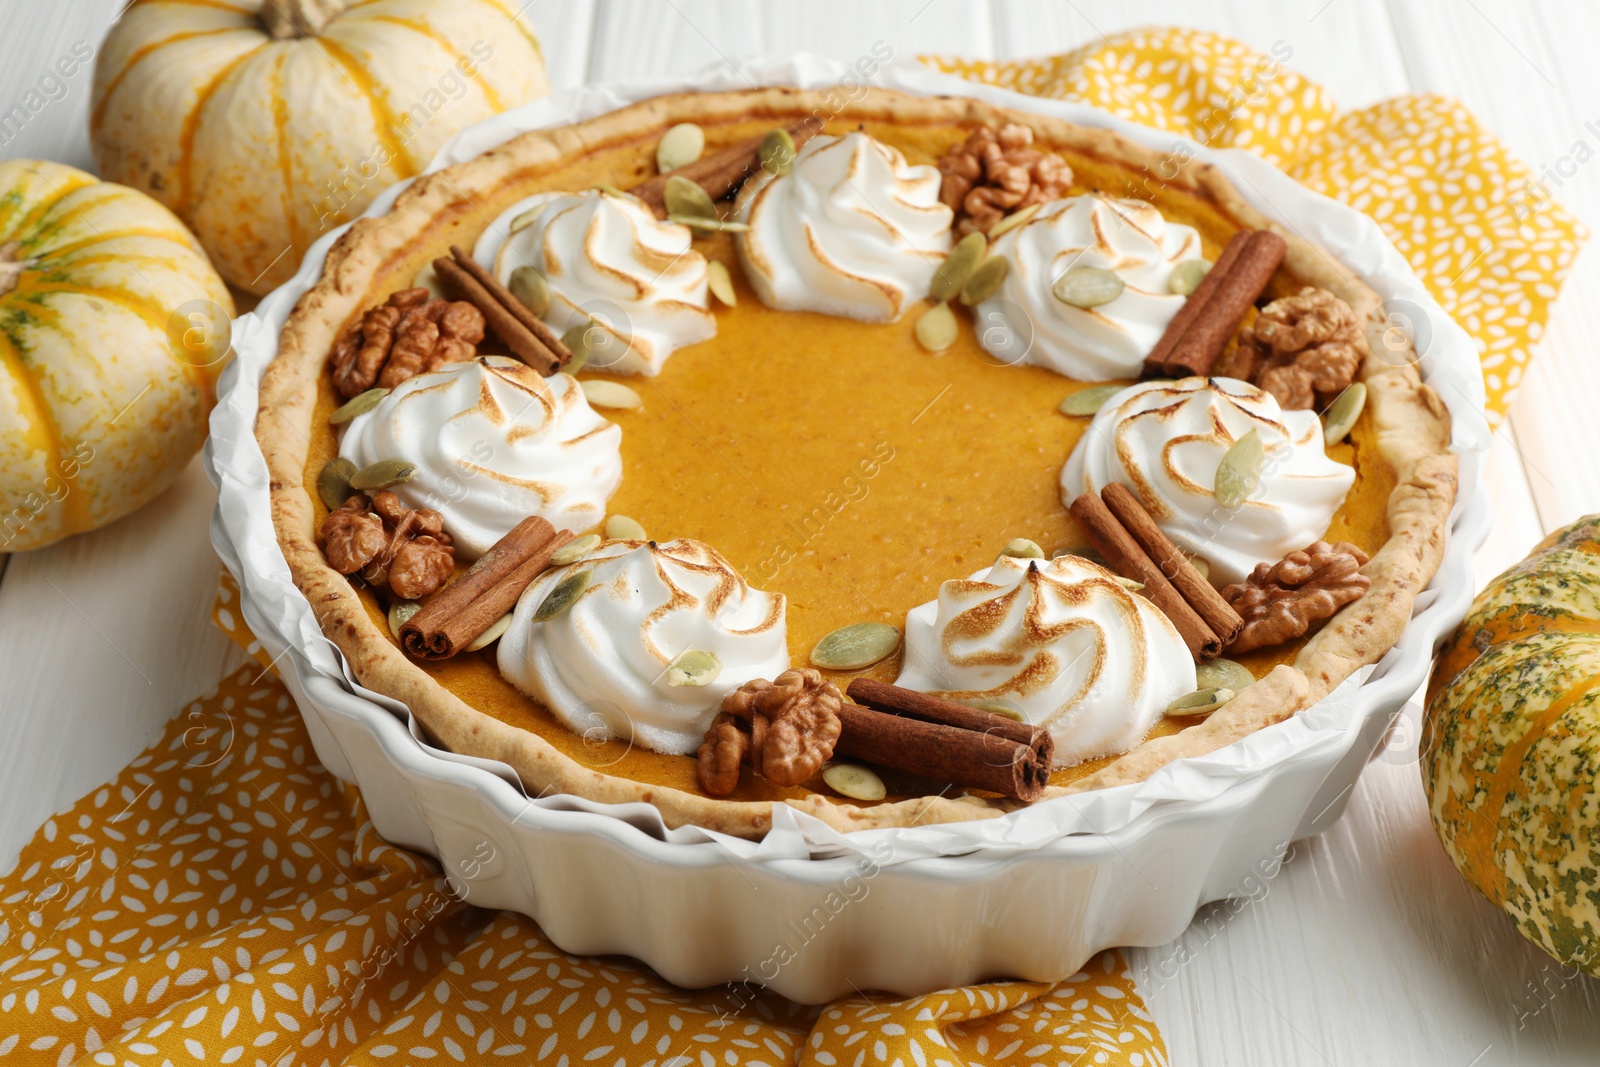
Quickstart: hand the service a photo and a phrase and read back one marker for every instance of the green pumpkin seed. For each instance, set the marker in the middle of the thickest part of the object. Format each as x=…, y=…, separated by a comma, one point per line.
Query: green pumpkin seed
x=382, y=475
x=1223, y=674
x=1128, y=583
x=1240, y=470
x=357, y=405
x=333, y=483
x=994, y=707
x=622, y=528
x=704, y=227
x=492, y=634
x=400, y=613
x=1343, y=413
x=951, y=275
x=1088, y=287
x=777, y=152
x=428, y=278
x=1187, y=276
x=937, y=329
x=603, y=394
x=857, y=783
x=1022, y=548
x=1200, y=702
x=679, y=146
x=685, y=197
x=854, y=647
x=1086, y=402
x=1012, y=221
x=612, y=190
x=563, y=595
x=694, y=667
x=574, y=550
x=985, y=281
x=526, y=219
x=720, y=282
x=531, y=288
x=577, y=342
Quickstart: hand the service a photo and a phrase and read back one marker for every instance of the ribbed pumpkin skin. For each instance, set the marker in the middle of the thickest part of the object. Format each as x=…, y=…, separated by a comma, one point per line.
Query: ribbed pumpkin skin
x=261, y=146
x=1511, y=745
x=101, y=403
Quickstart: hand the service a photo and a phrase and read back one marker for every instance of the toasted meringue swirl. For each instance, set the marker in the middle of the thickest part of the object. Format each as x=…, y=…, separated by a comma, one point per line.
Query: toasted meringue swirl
x=493, y=442
x=1025, y=322
x=1164, y=440
x=612, y=262
x=852, y=230
x=1061, y=643
x=601, y=665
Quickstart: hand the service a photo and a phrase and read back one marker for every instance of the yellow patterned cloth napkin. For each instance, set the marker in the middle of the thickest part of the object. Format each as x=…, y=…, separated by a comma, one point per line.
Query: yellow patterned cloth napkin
x=226, y=900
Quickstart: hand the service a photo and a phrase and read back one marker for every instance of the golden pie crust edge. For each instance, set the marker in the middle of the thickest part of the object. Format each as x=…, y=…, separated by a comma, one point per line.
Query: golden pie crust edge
x=1413, y=438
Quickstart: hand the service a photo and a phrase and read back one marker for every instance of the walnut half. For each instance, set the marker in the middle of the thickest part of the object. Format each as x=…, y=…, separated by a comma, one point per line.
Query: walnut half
x=784, y=730
x=1301, y=348
x=1284, y=600
x=994, y=173
x=387, y=543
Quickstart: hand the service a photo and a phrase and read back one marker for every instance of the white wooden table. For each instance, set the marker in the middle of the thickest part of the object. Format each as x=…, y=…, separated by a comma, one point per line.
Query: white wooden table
x=1368, y=948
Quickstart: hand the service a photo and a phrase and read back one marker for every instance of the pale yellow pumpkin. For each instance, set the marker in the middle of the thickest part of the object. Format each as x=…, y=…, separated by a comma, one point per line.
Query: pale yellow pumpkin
x=264, y=126
x=113, y=328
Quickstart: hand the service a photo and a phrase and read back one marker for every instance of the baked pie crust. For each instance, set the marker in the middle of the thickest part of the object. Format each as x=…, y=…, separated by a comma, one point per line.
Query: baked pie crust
x=1408, y=430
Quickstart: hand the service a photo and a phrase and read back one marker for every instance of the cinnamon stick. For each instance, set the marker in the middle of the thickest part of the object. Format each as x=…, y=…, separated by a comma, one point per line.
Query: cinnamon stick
x=500, y=317
x=892, y=699
x=1186, y=579
x=523, y=313
x=1125, y=557
x=1202, y=328
x=723, y=171
x=971, y=758
x=460, y=612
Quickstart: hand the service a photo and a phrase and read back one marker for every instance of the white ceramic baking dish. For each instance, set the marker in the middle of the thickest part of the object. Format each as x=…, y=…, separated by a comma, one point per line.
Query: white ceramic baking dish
x=812, y=916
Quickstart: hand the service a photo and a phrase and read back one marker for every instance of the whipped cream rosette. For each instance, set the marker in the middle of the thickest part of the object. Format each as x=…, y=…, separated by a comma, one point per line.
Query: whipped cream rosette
x=1025, y=322
x=852, y=230
x=609, y=261
x=1164, y=441
x=1058, y=641
x=604, y=664
x=493, y=442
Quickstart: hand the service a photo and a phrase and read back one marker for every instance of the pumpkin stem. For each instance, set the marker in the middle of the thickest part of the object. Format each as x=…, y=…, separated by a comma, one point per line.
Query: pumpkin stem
x=11, y=266
x=286, y=19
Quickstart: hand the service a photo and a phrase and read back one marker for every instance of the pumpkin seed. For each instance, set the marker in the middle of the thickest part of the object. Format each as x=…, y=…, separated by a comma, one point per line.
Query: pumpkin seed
x=603, y=394
x=492, y=634
x=685, y=197
x=531, y=288
x=1086, y=402
x=1022, y=548
x=573, y=551
x=853, y=647
x=1200, y=702
x=985, y=281
x=333, y=484
x=357, y=405
x=1128, y=583
x=563, y=595
x=428, y=278
x=577, y=342
x=1199, y=563
x=526, y=219
x=1223, y=674
x=1088, y=287
x=400, y=613
x=611, y=190
x=857, y=783
x=622, y=528
x=1012, y=221
x=703, y=227
x=694, y=667
x=937, y=329
x=382, y=474
x=951, y=276
x=1239, y=470
x=680, y=145
x=720, y=282
x=1343, y=413
x=994, y=707
x=777, y=152
x=1187, y=276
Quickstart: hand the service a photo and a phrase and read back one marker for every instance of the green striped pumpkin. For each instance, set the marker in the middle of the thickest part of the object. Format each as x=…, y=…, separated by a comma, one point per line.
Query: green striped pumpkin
x=1511, y=745
x=264, y=125
x=113, y=327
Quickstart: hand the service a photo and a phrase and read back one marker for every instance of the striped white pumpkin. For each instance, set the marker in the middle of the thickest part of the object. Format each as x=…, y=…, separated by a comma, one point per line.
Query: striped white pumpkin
x=112, y=333
x=260, y=144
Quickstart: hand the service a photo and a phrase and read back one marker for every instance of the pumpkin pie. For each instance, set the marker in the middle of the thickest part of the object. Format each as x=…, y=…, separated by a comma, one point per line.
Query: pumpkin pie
x=840, y=426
